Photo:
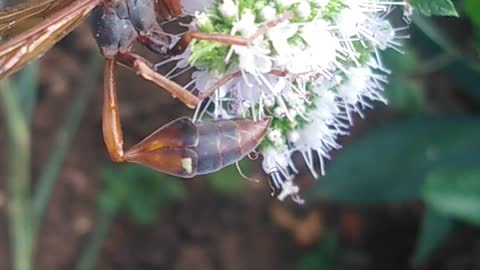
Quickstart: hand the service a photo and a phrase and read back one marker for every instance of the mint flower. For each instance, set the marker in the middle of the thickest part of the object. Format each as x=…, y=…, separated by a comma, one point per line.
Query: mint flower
x=310, y=72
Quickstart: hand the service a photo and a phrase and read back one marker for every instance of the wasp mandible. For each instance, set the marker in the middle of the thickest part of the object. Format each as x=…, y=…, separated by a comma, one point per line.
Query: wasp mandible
x=180, y=148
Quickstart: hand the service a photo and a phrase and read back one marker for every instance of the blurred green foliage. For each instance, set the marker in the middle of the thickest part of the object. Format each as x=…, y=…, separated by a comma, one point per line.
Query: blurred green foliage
x=403, y=92
x=135, y=190
x=424, y=158
x=139, y=191
x=390, y=164
x=472, y=10
x=321, y=257
x=228, y=180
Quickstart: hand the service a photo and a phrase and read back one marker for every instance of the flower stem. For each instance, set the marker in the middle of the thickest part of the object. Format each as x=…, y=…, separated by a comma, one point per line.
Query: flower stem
x=435, y=64
x=49, y=175
x=19, y=155
x=90, y=252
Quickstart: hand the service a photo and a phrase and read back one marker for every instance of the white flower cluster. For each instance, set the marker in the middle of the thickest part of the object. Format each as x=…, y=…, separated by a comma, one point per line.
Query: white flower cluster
x=310, y=70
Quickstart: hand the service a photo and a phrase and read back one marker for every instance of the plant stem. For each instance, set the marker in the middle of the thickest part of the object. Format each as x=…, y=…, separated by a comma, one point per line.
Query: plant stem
x=91, y=250
x=18, y=178
x=27, y=89
x=435, y=64
x=48, y=177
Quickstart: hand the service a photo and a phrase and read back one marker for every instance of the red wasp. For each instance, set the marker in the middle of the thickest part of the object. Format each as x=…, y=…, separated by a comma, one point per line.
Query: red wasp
x=180, y=148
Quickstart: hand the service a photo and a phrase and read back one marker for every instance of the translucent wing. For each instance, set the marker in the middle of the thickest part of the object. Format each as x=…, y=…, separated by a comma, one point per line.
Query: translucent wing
x=24, y=47
x=16, y=18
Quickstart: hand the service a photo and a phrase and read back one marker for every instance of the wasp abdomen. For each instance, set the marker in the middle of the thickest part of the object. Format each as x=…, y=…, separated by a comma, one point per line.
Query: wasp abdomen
x=185, y=149
x=225, y=142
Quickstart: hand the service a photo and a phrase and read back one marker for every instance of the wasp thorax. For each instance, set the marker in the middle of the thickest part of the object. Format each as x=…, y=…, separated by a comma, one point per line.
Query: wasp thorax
x=116, y=25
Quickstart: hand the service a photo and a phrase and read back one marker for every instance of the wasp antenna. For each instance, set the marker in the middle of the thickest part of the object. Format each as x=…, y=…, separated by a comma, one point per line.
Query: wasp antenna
x=244, y=176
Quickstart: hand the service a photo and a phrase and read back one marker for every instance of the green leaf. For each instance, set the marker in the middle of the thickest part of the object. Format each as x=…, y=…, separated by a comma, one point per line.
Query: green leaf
x=435, y=7
x=434, y=231
x=389, y=165
x=472, y=8
x=455, y=192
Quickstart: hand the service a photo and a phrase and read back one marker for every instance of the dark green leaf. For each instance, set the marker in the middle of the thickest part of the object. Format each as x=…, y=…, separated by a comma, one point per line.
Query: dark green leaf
x=455, y=192
x=389, y=165
x=434, y=231
x=435, y=7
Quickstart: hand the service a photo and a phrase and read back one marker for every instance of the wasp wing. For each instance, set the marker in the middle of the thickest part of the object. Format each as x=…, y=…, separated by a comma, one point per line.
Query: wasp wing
x=14, y=19
x=23, y=48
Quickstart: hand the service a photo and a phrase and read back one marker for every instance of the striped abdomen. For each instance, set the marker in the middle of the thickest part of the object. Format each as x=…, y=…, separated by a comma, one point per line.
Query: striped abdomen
x=225, y=142
x=185, y=149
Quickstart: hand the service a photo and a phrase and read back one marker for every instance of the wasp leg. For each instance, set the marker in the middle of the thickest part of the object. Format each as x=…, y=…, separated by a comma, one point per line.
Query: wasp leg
x=209, y=91
x=185, y=40
x=168, y=149
x=111, y=126
x=156, y=40
x=144, y=68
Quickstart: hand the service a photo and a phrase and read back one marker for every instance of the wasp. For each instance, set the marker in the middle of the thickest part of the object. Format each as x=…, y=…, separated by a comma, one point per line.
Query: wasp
x=181, y=148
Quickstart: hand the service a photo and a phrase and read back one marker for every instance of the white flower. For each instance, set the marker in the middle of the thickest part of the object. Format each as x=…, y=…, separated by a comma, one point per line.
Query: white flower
x=320, y=3
x=303, y=9
x=274, y=159
x=269, y=101
x=203, y=80
x=248, y=89
x=293, y=136
x=286, y=3
x=253, y=59
x=201, y=19
x=268, y=13
x=288, y=189
x=317, y=135
x=306, y=73
x=327, y=106
x=246, y=25
x=349, y=21
x=357, y=82
x=275, y=136
x=228, y=9
x=279, y=36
